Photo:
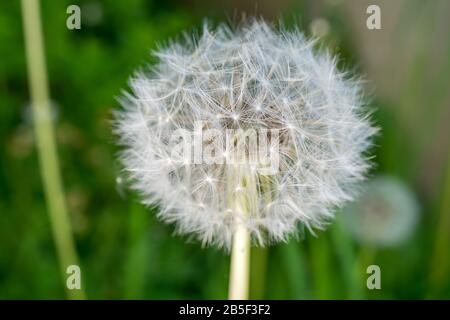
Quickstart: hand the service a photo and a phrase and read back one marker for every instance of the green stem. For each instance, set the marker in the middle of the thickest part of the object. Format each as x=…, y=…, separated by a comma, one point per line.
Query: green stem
x=295, y=266
x=136, y=262
x=320, y=263
x=346, y=255
x=440, y=261
x=259, y=254
x=258, y=273
x=45, y=141
x=366, y=257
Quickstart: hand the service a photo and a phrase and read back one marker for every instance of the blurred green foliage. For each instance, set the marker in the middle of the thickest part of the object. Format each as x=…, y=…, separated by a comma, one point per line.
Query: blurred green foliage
x=125, y=252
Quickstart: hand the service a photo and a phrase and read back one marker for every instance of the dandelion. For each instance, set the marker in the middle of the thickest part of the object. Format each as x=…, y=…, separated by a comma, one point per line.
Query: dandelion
x=310, y=116
x=385, y=214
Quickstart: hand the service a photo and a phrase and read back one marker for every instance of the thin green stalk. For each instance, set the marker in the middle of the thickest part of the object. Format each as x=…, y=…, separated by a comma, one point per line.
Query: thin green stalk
x=440, y=261
x=45, y=141
x=295, y=266
x=258, y=272
x=366, y=257
x=259, y=255
x=346, y=255
x=321, y=271
x=136, y=263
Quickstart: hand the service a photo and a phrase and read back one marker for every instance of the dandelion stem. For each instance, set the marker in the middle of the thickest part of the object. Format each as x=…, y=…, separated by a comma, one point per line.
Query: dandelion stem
x=295, y=267
x=348, y=260
x=258, y=272
x=240, y=264
x=45, y=141
x=440, y=260
x=320, y=262
x=242, y=197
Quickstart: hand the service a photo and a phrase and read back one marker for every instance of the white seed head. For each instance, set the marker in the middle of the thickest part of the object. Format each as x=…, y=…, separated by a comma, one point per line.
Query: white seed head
x=385, y=214
x=254, y=77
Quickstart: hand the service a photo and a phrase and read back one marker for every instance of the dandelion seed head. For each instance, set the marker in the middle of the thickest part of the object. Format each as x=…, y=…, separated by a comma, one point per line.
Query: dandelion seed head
x=251, y=77
x=385, y=214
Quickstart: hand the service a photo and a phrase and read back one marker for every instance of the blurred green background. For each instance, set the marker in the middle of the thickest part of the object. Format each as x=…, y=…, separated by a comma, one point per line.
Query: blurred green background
x=125, y=253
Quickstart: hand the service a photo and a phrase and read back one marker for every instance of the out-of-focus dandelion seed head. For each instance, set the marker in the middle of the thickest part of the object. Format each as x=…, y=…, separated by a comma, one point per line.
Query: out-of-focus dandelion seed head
x=384, y=215
x=29, y=118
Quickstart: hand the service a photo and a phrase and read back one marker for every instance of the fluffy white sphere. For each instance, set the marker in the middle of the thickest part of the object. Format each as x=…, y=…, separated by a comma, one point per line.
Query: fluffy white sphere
x=385, y=214
x=258, y=78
